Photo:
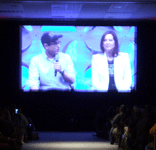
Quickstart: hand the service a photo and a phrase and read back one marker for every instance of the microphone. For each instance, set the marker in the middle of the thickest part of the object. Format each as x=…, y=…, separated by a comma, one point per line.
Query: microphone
x=56, y=60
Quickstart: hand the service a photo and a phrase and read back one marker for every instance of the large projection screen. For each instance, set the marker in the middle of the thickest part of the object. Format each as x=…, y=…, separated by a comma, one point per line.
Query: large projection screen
x=81, y=43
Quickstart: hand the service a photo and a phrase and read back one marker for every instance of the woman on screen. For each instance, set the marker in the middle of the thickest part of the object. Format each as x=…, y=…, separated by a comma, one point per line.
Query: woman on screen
x=111, y=69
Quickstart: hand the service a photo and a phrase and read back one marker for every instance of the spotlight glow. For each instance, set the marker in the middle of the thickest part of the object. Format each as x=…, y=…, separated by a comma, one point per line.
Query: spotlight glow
x=72, y=145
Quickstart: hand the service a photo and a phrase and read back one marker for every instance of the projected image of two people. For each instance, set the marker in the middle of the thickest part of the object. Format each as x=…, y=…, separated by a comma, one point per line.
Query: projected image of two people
x=81, y=58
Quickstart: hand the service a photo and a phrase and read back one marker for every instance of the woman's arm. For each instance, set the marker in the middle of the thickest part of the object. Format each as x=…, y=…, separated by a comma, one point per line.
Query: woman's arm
x=127, y=73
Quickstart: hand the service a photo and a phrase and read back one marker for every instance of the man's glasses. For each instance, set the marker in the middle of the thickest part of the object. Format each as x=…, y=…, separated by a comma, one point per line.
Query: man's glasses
x=55, y=43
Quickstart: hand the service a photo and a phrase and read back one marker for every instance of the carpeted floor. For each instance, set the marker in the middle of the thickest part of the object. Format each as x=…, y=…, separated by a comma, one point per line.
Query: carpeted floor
x=68, y=141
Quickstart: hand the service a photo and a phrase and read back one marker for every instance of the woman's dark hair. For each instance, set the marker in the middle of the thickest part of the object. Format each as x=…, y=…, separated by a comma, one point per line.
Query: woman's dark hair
x=116, y=48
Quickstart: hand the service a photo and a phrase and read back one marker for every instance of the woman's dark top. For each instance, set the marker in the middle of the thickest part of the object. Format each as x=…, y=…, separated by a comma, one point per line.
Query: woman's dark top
x=112, y=85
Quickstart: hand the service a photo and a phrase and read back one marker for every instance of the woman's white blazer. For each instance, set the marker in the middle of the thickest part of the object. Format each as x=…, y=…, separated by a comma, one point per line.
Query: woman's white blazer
x=122, y=72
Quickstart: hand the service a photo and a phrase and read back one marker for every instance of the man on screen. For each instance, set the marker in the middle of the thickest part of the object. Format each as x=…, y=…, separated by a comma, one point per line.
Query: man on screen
x=51, y=69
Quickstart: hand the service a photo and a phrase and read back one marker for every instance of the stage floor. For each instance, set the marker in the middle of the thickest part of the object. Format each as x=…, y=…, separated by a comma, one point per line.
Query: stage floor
x=68, y=141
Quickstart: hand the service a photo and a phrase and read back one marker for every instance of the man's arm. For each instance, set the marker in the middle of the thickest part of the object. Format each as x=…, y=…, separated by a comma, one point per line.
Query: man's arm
x=67, y=76
x=33, y=75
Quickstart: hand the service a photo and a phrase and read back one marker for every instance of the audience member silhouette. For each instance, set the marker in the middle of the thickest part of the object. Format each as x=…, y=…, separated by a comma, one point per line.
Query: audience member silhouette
x=7, y=131
x=117, y=125
x=32, y=133
x=109, y=116
x=143, y=126
x=14, y=128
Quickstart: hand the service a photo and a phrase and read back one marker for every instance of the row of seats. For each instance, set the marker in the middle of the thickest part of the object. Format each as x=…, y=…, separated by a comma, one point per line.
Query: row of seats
x=128, y=126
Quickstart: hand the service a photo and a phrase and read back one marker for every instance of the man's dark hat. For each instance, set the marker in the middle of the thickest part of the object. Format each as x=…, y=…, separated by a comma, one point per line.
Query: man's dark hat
x=48, y=37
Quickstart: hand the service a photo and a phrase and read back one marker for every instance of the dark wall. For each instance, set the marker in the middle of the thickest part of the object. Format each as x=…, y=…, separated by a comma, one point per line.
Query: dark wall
x=55, y=110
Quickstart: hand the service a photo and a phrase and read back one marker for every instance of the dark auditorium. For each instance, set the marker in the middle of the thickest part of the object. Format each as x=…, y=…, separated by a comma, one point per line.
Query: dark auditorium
x=78, y=75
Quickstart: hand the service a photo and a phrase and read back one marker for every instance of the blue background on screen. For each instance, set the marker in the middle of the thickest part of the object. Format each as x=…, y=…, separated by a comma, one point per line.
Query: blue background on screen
x=80, y=42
